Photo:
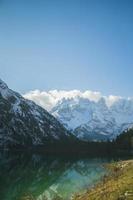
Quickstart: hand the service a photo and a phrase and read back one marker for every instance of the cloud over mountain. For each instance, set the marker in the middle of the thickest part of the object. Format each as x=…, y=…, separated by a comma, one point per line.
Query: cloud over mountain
x=48, y=99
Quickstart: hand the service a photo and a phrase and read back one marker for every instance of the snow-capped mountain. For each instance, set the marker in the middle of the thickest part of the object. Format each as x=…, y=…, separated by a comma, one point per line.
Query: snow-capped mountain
x=94, y=120
x=22, y=122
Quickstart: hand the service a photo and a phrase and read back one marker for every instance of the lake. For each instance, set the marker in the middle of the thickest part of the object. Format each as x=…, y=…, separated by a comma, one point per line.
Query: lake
x=38, y=177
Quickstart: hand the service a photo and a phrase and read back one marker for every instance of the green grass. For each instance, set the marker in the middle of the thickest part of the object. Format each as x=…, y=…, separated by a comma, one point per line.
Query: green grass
x=118, y=185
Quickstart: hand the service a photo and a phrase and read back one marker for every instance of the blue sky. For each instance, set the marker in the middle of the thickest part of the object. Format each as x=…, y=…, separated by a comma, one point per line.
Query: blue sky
x=67, y=44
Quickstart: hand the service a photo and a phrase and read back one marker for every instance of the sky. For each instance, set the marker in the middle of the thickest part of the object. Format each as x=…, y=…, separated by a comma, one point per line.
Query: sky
x=67, y=45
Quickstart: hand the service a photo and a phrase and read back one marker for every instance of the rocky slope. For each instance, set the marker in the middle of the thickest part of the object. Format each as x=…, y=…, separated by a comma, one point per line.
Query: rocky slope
x=94, y=120
x=22, y=122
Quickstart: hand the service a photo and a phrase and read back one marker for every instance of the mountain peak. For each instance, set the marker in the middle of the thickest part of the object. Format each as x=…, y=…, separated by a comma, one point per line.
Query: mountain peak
x=23, y=123
x=3, y=85
x=95, y=120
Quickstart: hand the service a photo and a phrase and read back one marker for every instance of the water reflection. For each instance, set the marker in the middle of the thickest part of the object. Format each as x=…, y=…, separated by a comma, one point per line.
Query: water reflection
x=38, y=177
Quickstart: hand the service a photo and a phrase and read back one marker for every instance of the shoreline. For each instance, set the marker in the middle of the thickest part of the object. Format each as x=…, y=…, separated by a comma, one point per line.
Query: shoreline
x=117, y=185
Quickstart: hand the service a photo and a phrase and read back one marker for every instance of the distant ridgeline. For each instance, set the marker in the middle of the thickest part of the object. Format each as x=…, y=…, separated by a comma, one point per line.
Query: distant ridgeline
x=27, y=126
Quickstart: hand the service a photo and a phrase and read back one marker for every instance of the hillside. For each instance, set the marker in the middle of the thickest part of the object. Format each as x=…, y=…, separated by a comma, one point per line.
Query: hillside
x=118, y=185
x=23, y=123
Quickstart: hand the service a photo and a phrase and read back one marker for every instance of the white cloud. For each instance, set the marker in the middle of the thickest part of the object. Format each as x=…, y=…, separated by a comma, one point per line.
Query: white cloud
x=112, y=99
x=44, y=99
x=49, y=99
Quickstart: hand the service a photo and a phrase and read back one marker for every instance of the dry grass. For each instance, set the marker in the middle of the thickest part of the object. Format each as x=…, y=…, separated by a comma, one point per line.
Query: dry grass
x=118, y=185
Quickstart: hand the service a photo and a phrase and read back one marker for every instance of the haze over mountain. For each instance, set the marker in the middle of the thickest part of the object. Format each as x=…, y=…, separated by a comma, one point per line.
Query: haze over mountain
x=88, y=114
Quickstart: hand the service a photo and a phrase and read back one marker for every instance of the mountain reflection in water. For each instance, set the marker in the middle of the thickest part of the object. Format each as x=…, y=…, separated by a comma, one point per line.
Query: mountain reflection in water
x=38, y=177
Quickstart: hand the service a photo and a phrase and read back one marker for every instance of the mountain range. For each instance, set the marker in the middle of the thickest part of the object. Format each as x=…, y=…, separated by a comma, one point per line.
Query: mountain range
x=23, y=123
x=91, y=120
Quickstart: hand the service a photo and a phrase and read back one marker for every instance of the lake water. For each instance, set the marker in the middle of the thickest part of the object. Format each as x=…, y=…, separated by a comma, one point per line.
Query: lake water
x=37, y=177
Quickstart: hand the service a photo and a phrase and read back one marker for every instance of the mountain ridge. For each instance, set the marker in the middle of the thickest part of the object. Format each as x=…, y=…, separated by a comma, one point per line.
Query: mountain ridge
x=22, y=122
x=91, y=120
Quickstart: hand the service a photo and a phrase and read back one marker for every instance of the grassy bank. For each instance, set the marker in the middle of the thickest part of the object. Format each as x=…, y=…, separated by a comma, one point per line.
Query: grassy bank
x=118, y=185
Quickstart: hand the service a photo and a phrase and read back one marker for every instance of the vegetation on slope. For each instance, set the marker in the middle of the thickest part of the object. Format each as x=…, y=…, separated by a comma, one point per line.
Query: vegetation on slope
x=118, y=185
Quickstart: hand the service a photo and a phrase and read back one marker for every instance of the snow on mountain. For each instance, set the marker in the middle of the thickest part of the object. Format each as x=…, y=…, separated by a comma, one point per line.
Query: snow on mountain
x=94, y=120
x=88, y=114
x=22, y=122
